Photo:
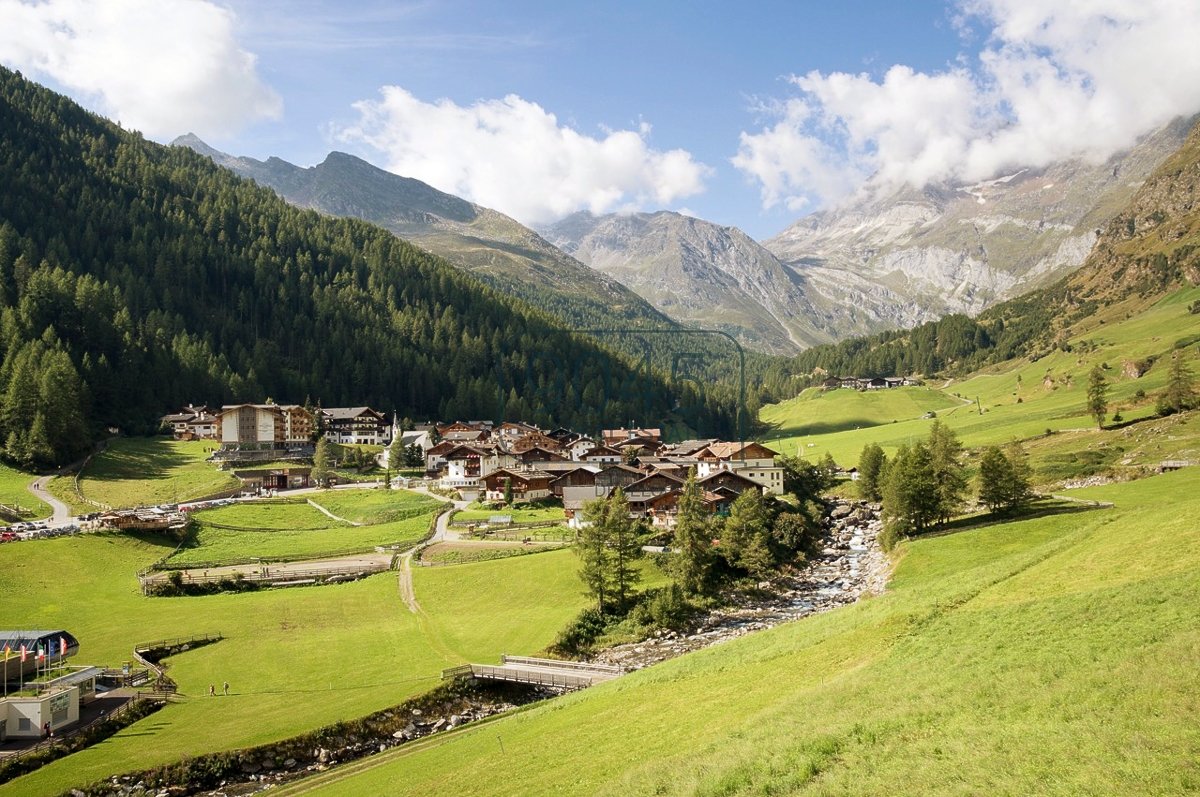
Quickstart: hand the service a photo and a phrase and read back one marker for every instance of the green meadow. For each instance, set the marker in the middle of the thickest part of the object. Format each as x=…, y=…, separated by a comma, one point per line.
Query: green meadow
x=1051, y=656
x=142, y=471
x=14, y=491
x=291, y=528
x=529, y=514
x=295, y=659
x=1016, y=400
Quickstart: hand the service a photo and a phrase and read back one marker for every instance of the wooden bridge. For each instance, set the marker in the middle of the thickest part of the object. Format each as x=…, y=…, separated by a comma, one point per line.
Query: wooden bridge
x=539, y=672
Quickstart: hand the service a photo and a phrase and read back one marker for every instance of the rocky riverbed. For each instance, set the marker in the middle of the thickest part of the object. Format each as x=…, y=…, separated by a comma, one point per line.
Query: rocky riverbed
x=849, y=565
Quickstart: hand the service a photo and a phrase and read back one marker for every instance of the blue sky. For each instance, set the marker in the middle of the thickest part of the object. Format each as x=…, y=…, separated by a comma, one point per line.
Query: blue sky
x=751, y=115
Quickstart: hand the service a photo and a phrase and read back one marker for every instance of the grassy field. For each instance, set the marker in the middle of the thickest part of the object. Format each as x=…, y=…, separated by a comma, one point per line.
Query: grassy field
x=535, y=514
x=1053, y=656
x=291, y=528
x=377, y=506
x=296, y=659
x=14, y=491
x=1019, y=400
x=139, y=471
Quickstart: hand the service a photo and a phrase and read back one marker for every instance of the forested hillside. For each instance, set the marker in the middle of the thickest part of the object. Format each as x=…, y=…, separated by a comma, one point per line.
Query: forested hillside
x=1150, y=248
x=136, y=277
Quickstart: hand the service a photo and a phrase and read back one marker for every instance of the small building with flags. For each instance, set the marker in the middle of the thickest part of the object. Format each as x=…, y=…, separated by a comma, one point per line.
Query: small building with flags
x=26, y=652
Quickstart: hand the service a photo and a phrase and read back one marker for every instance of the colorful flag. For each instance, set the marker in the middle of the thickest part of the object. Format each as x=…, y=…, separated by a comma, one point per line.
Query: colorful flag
x=24, y=653
x=62, y=646
x=41, y=653
x=7, y=651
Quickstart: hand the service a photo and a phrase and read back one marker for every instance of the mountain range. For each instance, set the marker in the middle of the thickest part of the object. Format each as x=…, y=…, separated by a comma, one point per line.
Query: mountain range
x=889, y=261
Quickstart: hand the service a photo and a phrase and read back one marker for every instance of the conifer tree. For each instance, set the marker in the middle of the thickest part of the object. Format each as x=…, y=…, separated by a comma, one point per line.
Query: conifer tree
x=1180, y=393
x=691, y=562
x=322, y=463
x=870, y=470
x=995, y=473
x=594, y=552
x=1097, y=395
x=745, y=538
x=949, y=475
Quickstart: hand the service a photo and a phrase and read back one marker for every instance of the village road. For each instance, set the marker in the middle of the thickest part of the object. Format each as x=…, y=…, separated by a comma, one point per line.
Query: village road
x=61, y=513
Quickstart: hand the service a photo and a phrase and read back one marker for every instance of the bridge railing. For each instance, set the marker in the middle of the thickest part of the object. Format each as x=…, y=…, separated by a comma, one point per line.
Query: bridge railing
x=581, y=666
x=516, y=674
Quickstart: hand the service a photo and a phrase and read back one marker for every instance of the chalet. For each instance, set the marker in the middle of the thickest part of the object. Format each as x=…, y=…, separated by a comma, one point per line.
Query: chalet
x=618, y=475
x=895, y=381
x=575, y=498
x=538, y=454
x=464, y=426
x=466, y=436
x=562, y=435
x=435, y=456
x=729, y=483
x=355, y=426
x=832, y=383
x=535, y=440
x=686, y=448
x=579, y=446
x=851, y=382
x=614, y=436
x=752, y=460
x=603, y=455
x=512, y=430
x=874, y=383
x=645, y=445
x=580, y=476
x=656, y=482
x=526, y=485
x=192, y=423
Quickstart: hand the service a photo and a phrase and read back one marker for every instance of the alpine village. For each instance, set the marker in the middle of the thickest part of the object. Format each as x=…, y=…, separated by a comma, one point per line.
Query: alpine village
x=479, y=462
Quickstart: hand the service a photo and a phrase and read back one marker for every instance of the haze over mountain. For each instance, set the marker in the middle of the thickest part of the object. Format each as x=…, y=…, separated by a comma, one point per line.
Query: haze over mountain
x=489, y=244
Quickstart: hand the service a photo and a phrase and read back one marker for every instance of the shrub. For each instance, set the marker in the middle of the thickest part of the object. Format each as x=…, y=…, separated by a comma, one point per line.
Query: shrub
x=889, y=538
x=578, y=637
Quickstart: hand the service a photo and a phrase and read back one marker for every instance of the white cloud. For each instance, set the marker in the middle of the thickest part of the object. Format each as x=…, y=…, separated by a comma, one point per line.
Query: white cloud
x=1055, y=80
x=164, y=67
x=514, y=156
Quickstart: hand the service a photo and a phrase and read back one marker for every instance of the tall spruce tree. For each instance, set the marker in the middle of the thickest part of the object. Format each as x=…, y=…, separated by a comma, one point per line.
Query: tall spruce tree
x=746, y=535
x=870, y=470
x=691, y=561
x=949, y=475
x=910, y=496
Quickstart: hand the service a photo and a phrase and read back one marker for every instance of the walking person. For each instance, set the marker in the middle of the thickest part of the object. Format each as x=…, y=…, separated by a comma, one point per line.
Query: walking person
x=212, y=690
x=226, y=685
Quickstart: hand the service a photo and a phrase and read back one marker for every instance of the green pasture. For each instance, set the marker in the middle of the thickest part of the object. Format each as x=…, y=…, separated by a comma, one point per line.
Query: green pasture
x=1051, y=656
x=520, y=514
x=14, y=492
x=295, y=659
x=141, y=471
x=291, y=528
x=1016, y=400
x=377, y=505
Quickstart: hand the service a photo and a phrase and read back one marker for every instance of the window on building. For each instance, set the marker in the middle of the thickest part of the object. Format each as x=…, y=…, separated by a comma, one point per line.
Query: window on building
x=23, y=724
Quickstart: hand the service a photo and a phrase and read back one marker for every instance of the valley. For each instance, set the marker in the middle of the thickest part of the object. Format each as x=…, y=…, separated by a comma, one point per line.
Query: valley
x=350, y=485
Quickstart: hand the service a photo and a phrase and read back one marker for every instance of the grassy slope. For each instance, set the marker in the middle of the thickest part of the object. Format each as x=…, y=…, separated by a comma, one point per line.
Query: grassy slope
x=135, y=471
x=1057, y=404
x=14, y=491
x=296, y=659
x=1042, y=656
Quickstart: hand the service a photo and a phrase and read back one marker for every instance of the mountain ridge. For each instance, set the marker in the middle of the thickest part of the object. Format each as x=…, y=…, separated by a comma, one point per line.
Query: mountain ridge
x=479, y=240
